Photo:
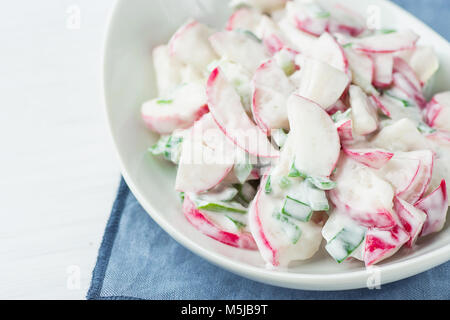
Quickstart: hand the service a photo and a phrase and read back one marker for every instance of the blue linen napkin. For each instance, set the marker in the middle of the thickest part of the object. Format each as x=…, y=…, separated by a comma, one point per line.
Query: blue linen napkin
x=138, y=260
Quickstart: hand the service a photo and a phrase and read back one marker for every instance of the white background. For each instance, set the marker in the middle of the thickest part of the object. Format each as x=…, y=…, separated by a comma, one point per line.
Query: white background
x=59, y=171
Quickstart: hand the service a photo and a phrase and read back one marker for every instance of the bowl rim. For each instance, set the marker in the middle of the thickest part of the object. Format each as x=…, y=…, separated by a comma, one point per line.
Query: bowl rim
x=316, y=282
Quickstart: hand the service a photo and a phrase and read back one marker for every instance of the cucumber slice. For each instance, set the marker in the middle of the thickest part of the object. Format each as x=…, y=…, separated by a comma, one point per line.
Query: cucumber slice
x=289, y=227
x=239, y=225
x=169, y=147
x=345, y=243
x=279, y=136
x=243, y=171
x=297, y=210
x=306, y=193
x=221, y=207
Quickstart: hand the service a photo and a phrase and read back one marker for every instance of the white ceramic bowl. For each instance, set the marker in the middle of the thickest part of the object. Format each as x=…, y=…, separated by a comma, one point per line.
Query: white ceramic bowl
x=139, y=25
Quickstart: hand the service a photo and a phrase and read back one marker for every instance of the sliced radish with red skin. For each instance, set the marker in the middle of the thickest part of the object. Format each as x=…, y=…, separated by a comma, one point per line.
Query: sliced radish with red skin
x=437, y=112
x=372, y=158
x=345, y=131
x=313, y=128
x=402, y=135
x=435, y=205
x=384, y=66
x=423, y=178
x=411, y=218
x=377, y=101
x=387, y=43
x=187, y=105
x=382, y=244
x=364, y=117
x=245, y=19
x=271, y=88
x=337, y=27
x=192, y=37
x=236, y=46
x=404, y=85
x=316, y=75
x=401, y=66
x=361, y=194
x=301, y=41
x=345, y=21
x=401, y=173
x=202, y=223
x=362, y=67
x=423, y=60
x=328, y=50
x=206, y=158
x=271, y=35
x=226, y=108
x=314, y=27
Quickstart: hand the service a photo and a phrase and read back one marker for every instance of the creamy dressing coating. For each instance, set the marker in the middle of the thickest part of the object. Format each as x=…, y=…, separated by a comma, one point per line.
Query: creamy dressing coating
x=291, y=65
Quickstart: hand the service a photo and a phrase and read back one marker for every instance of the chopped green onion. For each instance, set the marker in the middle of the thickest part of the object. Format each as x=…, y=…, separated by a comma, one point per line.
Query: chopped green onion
x=164, y=101
x=405, y=102
x=322, y=183
x=345, y=243
x=424, y=128
x=284, y=182
x=268, y=186
x=387, y=31
x=239, y=225
x=289, y=227
x=347, y=45
x=220, y=207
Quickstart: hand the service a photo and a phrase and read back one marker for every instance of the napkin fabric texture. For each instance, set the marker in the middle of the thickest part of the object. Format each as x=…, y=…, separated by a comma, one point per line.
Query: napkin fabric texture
x=138, y=260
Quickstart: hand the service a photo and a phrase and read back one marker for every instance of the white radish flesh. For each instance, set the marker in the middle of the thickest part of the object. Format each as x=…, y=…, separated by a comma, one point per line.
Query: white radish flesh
x=387, y=43
x=315, y=76
x=328, y=50
x=245, y=19
x=312, y=128
x=186, y=105
x=189, y=39
x=362, y=68
x=384, y=66
x=226, y=109
x=364, y=117
x=271, y=88
x=423, y=60
x=240, y=48
x=437, y=112
x=167, y=70
x=362, y=195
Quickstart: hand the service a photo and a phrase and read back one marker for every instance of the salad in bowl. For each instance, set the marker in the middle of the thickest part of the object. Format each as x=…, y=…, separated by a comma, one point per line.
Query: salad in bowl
x=297, y=124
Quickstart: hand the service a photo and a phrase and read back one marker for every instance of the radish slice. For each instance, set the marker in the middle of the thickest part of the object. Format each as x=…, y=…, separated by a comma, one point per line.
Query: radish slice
x=373, y=158
x=405, y=86
x=364, y=117
x=402, y=135
x=401, y=173
x=203, y=163
x=384, y=66
x=382, y=244
x=344, y=20
x=362, y=195
x=316, y=75
x=179, y=112
x=261, y=5
x=411, y=218
x=387, y=43
x=328, y=50
x=402, y=67
x=345, y=131
x=245, y=19
x=280, y=242
x=308, y=17
x=312, y=128
x=236, y=45
x=271, y=88
x=362, y=68
x=192, y=37
x=167, y=70
x=423, y=60
x=226, y=109
x=379, y=102
x=272, y=37
x=204, y=224
x=437, y=112
x=302, y=41
x=435, y=205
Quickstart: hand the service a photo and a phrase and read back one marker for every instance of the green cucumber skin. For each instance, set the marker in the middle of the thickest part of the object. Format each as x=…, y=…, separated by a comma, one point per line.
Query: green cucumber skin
x=289, y=214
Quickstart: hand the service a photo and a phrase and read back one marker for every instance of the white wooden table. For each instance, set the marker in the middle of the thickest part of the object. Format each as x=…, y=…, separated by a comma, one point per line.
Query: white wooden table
x=59, y=172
